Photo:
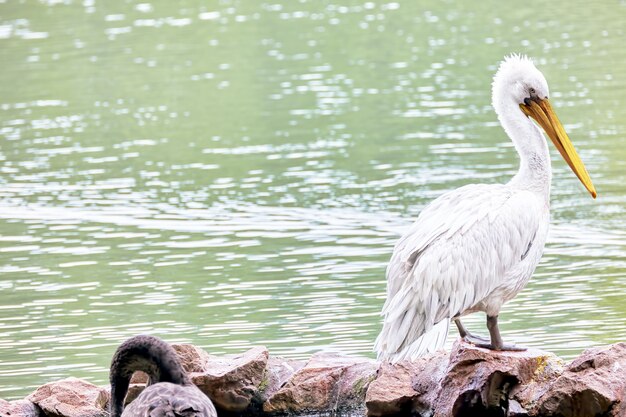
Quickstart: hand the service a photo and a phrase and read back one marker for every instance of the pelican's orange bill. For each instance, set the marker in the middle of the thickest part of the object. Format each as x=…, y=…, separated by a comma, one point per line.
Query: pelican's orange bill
x=541, y=111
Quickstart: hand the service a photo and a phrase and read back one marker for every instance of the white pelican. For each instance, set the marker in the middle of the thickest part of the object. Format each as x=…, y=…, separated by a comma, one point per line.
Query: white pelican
x=170, y=392
x=476, y=247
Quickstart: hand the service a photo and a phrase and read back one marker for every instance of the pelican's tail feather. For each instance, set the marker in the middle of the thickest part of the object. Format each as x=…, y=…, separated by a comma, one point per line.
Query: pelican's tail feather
x=429, y=342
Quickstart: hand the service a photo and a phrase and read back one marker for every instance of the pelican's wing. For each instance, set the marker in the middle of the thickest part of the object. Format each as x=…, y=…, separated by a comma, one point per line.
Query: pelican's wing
x=457, y=252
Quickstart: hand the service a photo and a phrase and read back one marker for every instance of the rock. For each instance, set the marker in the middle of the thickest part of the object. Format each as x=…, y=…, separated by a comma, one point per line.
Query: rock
x=71, y=397
x=138, y=383
x=277, y=373
x=516, y=409
x=19, y=408
x=480, y=381
x=468, y=381
x=133, y=392
x=231, y=383
x=405, y=386
x=327, y=383
x=620, y=409
x=392, y=391
x=139, y=377
x=525, y=394
x=427, y=383
x=192, y=358
x=593, y=384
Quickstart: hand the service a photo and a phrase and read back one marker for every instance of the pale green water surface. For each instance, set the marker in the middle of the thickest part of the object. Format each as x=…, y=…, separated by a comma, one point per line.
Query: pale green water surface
x=236, y=173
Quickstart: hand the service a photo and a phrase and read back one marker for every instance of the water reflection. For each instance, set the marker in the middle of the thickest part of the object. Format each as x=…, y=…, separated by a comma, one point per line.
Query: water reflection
x=237, y=175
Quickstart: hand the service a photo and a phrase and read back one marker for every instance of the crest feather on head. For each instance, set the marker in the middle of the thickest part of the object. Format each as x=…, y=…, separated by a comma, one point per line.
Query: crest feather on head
x=513, y=65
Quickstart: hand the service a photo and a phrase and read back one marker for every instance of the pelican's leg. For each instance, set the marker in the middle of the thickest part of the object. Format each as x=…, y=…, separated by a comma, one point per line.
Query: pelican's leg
x=467, y=336
x=496, y=339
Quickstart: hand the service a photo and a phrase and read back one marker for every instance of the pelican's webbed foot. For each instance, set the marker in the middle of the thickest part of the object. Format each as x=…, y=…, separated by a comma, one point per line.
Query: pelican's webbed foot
x=504, y=346
x=477, y=340
x=494, y=342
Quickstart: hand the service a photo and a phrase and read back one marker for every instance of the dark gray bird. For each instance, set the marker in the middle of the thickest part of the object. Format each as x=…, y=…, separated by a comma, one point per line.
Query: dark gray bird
x=170, y=392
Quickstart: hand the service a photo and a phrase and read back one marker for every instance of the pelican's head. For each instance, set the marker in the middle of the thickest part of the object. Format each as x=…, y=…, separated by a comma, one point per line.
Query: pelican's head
x=520, y=86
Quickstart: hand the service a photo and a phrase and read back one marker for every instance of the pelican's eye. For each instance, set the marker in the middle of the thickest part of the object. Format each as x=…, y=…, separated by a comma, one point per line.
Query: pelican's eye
x=532, y=91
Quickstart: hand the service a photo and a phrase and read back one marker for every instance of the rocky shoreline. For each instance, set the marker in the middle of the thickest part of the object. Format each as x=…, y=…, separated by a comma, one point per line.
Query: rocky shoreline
x=466, y=381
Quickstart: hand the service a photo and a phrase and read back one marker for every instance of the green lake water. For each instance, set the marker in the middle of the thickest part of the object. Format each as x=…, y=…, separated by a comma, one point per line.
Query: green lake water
x=235, y=173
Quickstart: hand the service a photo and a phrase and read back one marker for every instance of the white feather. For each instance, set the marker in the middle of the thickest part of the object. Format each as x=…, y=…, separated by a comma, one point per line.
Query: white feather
x=429, y=342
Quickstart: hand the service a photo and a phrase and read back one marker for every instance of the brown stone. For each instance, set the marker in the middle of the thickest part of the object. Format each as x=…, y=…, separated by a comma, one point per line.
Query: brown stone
x=468, y=381
x=192, y=358
x=139, y=377
x=19, y=408
x=427, y=381
x=353, y=384
x=71, y=397
x=327, y=383
x=405, y=387
x=138, y=383
x=392, y=391
x=133, y=392
x=524, y=395
x=277, y=373
x=232, y=382
x=593, y=384
x=480, y=381
x=516, y=409
x=620, y=409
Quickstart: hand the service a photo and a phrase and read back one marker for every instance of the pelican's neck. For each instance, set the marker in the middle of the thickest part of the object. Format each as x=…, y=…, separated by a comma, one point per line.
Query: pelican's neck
x=535, y=172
